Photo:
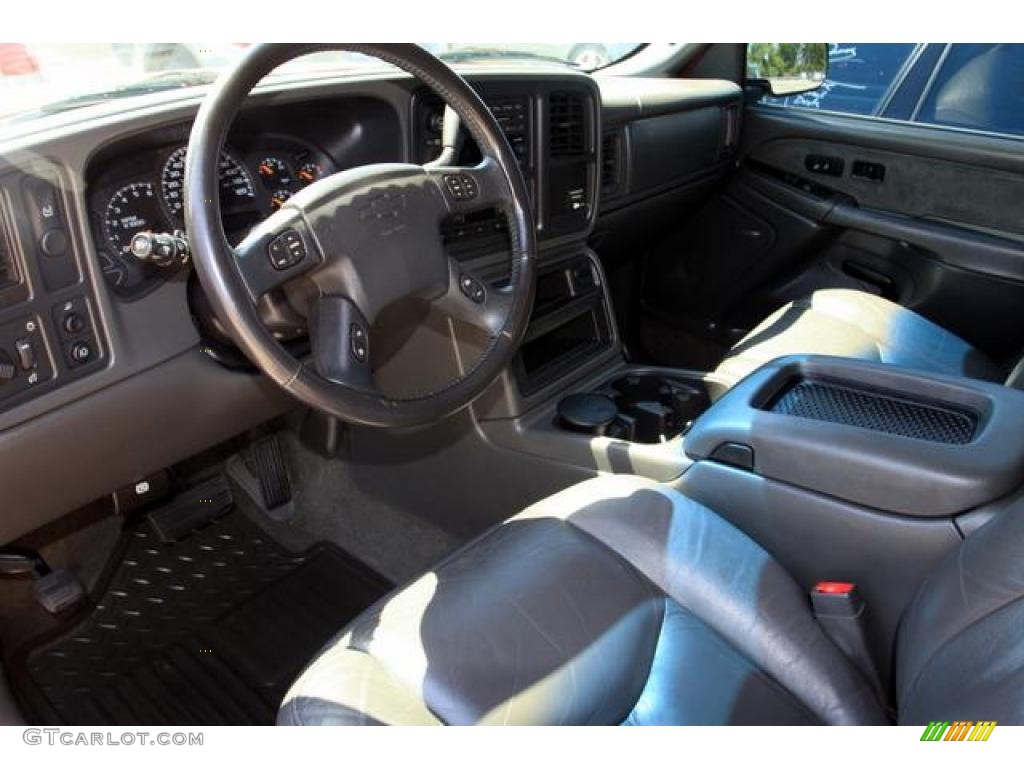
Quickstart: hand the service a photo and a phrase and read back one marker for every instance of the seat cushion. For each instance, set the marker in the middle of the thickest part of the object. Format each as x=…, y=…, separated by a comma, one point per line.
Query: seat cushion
x=615, y=601
x=860, y=325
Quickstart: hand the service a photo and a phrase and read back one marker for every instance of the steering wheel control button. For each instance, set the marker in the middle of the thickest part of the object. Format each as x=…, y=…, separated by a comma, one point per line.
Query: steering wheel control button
x=360, y=344
x=472, y=289
x=286, y=250
x=461, y=186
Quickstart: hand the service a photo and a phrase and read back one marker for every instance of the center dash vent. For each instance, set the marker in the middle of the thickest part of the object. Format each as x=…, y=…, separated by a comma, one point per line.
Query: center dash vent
x=568, y=128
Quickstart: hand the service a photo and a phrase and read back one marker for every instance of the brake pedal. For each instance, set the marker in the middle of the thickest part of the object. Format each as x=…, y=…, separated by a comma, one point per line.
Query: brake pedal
x=191, y=509
x=55, y=591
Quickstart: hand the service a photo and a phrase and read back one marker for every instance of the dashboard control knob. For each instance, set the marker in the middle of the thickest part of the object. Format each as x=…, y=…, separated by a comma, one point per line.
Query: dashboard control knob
x=73, y=323
x=80, y=353
x=54, y=242
x=160, y=248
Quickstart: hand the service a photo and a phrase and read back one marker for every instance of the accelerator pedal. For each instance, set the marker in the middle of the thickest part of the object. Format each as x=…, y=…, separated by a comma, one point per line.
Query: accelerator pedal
x=265, y=461
x=191, y=509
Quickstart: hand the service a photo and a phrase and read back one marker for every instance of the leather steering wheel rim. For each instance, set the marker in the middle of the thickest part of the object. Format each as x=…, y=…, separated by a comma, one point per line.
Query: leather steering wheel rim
x=404, y=198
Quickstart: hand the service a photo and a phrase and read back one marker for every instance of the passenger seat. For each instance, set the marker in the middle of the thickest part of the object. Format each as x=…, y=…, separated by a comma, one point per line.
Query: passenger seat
x=848, y=323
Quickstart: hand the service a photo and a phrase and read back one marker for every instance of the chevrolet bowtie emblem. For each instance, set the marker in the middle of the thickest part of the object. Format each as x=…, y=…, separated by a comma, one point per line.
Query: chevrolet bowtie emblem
x=385, y=207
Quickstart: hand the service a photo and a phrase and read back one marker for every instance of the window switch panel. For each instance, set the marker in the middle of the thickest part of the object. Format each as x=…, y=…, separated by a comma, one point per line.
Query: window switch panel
x=862, y=169
x=830, y=166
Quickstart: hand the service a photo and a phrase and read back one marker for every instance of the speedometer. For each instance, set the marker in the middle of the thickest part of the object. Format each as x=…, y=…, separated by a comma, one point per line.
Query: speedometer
x=235, y=182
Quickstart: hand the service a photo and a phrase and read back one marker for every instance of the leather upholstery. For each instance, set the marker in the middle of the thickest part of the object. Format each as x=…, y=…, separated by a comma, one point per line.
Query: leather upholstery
x=855, y=324
x=617, y=600
x=960, y=654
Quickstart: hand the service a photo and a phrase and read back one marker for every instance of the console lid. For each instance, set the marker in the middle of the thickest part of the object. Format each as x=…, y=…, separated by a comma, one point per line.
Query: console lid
x=891, y=438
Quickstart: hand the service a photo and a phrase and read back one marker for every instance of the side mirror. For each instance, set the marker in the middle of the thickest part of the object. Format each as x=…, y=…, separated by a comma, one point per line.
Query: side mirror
x=783, y=69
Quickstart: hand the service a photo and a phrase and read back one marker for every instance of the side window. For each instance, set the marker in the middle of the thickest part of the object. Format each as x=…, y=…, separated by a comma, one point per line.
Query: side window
x=978, y=86
x=859, y=79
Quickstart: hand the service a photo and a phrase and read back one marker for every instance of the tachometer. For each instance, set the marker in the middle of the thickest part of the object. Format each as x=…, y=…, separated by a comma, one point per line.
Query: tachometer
x=236, y=184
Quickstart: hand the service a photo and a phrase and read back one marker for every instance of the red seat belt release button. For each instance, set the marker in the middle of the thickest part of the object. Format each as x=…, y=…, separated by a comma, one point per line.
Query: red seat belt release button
x=836, y=598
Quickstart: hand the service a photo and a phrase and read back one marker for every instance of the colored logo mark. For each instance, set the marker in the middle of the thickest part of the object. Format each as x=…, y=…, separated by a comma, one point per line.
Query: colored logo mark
x=961, y=730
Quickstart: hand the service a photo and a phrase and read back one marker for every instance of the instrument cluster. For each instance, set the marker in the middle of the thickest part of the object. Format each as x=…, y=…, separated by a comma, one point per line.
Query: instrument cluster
x=147, y=195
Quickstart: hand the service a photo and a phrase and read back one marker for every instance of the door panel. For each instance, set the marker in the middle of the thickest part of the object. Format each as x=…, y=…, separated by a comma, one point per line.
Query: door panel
x=932, y=218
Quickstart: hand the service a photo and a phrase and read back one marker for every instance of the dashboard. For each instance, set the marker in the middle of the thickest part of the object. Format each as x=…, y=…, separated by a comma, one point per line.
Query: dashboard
x=103, y=357
x=79, y=312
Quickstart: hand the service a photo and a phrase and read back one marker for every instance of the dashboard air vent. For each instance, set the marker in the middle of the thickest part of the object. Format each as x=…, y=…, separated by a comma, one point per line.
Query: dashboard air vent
x=611, y=164
x=8, y=268
x=567, y=127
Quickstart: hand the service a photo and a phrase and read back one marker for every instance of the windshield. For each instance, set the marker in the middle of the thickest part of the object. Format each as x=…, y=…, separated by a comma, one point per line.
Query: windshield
x=47, y=78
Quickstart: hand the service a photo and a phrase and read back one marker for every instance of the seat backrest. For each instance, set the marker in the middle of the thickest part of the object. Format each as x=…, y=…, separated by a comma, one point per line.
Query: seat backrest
x=960, y=653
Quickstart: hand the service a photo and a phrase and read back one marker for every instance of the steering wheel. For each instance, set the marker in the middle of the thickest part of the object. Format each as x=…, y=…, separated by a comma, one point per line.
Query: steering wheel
x=365, y=238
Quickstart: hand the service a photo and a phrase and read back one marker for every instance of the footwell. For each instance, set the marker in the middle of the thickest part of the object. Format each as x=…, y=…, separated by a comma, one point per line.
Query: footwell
x=210, y=630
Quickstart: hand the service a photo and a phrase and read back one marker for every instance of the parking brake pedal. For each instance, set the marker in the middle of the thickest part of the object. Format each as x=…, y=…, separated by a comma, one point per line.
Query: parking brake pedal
x=55, y=591
x=191, y=509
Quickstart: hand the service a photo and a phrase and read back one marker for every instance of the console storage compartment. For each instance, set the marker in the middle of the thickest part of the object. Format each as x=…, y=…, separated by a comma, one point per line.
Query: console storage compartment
x=889, y=438
x=569, y=324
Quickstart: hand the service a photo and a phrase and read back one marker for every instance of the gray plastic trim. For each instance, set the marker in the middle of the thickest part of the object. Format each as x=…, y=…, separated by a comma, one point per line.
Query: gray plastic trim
x=538, y=434
x=631, y=98
x=887, y=472
x=86, y=449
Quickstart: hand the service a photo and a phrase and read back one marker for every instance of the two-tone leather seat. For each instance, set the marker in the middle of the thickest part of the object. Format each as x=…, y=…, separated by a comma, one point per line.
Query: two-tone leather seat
x=621, y=601
x=848, y=323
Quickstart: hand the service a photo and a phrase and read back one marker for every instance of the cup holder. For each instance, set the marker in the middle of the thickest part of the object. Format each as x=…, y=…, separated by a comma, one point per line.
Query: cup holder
x=648, y=408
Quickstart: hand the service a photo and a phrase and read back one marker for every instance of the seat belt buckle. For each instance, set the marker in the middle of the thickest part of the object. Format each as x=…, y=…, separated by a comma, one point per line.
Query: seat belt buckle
x=836, y=598
x=839, y=609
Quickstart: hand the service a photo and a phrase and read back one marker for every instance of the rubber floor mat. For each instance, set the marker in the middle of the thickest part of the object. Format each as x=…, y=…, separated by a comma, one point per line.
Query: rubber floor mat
x=210, y=630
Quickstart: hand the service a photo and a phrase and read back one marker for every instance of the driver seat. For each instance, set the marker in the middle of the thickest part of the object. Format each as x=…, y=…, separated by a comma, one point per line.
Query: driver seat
x=622, y=601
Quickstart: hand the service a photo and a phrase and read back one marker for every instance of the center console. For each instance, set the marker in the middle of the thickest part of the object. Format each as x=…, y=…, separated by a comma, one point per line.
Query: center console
x=887, y=438
x=859, y=472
